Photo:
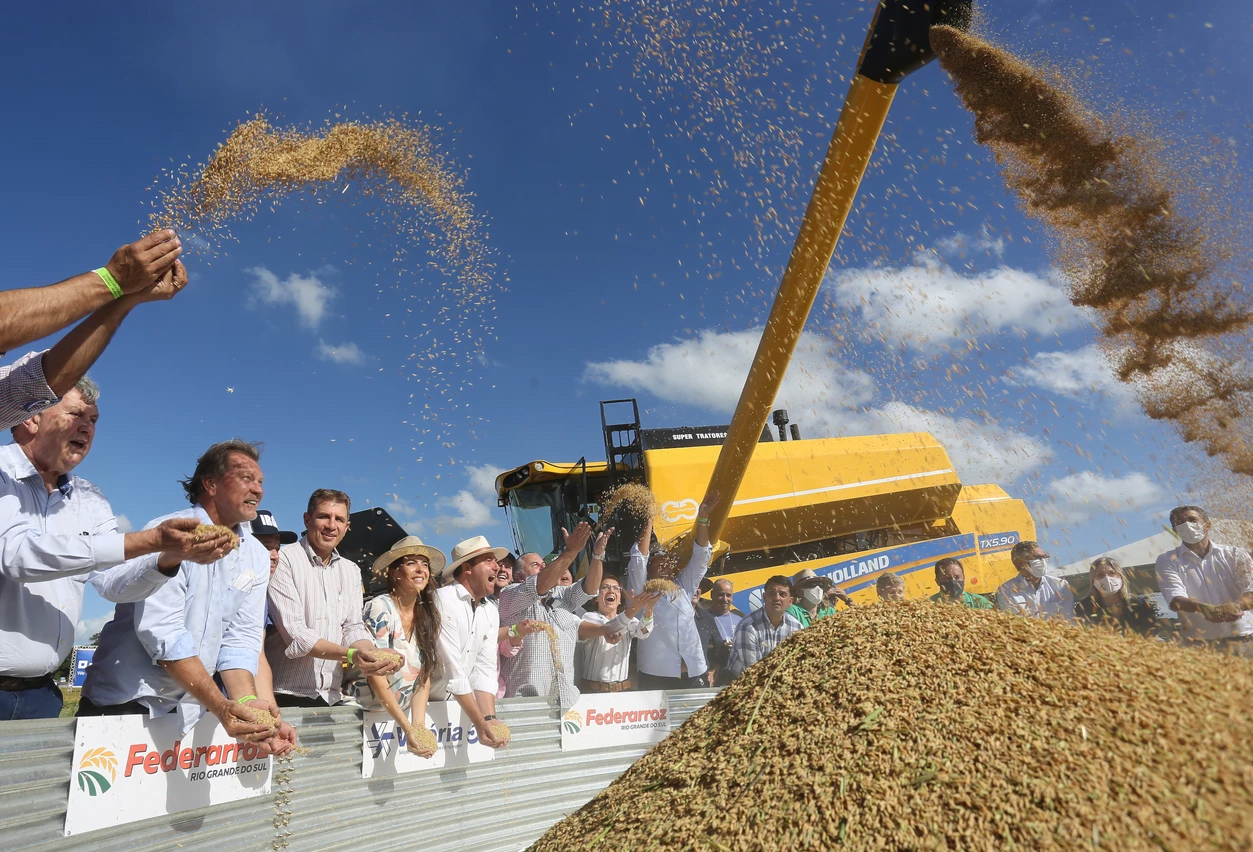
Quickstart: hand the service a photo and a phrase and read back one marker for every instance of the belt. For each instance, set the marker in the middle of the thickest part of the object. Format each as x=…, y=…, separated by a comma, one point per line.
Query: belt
x=21, y=684
x=598, y=686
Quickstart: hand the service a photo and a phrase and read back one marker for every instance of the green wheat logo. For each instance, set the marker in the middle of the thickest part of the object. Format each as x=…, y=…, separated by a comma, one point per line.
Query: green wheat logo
x=91, y=771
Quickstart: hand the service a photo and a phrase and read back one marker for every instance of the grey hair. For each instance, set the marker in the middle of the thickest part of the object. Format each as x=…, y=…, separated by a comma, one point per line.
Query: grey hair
x=88, y=390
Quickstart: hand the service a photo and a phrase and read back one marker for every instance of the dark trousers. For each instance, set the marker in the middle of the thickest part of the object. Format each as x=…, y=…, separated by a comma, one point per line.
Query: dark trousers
x=87, y=707
x=286, y=700
x=647, y=681
x=38, y=702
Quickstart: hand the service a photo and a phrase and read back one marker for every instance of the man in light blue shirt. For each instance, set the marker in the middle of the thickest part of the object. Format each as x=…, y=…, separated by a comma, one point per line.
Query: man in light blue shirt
x=159, y=655
x=62, y=527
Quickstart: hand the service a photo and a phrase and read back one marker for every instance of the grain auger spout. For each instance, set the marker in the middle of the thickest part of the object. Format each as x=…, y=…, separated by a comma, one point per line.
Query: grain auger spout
x=896, y=46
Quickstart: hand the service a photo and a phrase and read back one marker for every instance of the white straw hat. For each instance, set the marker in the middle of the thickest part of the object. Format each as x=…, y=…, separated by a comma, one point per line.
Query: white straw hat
x=410, y=545
x=470, y=548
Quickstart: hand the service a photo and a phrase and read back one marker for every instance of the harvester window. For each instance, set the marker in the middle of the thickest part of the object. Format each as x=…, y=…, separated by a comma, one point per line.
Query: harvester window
x=532, y=510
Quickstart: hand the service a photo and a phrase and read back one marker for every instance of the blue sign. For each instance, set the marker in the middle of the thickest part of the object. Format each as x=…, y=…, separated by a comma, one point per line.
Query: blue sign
x=848, y=573
x=82, y=659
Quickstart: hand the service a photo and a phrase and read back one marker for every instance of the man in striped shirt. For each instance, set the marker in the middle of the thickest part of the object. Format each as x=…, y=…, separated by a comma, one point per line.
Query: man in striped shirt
x=763, y=630
x=316, y=604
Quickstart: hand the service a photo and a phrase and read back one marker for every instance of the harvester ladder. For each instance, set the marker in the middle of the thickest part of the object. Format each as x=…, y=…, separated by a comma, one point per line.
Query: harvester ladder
x=624, y=446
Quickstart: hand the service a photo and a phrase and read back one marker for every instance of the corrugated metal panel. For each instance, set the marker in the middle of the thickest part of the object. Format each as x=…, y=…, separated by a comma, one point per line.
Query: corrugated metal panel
x=501, y=805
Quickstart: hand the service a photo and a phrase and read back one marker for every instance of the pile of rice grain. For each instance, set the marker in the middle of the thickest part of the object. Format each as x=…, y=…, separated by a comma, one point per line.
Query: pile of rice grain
x=924, y=726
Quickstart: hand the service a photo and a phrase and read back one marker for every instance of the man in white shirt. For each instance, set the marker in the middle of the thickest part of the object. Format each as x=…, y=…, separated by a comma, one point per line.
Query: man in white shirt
x=1033, y=592
x=1210, y=585
x=469, y=625
x=672, y=656
x=41, y=599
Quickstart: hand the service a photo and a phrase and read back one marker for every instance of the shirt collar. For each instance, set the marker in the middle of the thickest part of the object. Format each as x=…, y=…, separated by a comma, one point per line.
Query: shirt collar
x=16, y=460
x=313, y=556
x=464, y=594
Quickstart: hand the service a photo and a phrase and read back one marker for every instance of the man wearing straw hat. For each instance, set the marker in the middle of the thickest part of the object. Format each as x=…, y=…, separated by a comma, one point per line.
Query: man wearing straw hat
x=810, y=591
x=468, y=628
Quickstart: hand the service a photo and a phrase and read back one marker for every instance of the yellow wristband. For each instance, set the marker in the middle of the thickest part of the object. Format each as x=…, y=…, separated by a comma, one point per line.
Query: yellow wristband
x=350, y=654
x=109, y=281
x=245, y=699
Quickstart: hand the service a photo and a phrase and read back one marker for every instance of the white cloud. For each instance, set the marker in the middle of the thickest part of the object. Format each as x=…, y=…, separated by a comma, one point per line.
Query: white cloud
x=1076, y=498
x=980, y=452
x=308, y=295
x=89, y=627
x=468, y=512
x=124, y=524
x=483, y=480
x=823, y=396
x=962, y=245
x=930, y=305
x=1073, y=373
x=468, y=509
x=709, y=372
x=399, y=506
x=344, y=353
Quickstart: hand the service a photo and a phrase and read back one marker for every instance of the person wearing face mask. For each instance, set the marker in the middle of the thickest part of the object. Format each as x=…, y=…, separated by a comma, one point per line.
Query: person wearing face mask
x=950, y=576
x=1210, y=585
x=1111, y=604
x=1033, y=592
x=810, y=593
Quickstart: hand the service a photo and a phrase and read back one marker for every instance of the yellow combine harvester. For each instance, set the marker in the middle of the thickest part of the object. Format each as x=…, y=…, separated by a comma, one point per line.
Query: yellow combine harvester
x=849, y=508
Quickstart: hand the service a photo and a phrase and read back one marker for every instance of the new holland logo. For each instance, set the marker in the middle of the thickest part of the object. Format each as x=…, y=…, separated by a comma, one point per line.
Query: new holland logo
x=96, y=763
x=573, y=722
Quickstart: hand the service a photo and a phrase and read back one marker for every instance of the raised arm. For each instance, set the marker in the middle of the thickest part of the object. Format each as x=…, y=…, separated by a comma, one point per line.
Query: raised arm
x=66, y=362
x=34, y=312
x=551, y=573
x=596, y=568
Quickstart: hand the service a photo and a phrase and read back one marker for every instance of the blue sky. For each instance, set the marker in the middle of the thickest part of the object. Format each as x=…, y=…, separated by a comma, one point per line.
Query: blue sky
x=629, y=261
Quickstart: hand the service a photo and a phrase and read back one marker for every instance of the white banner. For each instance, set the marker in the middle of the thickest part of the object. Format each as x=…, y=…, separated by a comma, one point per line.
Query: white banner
x=615, y=718
x=384, y=749
x=128, y=768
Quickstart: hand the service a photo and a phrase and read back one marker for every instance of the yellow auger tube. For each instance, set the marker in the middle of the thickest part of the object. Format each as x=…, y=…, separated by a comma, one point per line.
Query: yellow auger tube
x=861, y=120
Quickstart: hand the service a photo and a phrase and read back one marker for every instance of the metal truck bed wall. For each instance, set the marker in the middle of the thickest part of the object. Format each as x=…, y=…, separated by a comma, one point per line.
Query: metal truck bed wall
x=502, y=805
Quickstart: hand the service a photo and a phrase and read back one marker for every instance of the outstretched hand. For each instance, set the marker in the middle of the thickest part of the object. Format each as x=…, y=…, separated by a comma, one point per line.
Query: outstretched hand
x=577, y=540
x=139, y=264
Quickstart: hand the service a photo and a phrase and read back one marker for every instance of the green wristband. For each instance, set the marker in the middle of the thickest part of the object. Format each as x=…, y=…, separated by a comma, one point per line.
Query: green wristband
x=245, y=699
x=109, y=281
x=702, y=520
x=350, y=654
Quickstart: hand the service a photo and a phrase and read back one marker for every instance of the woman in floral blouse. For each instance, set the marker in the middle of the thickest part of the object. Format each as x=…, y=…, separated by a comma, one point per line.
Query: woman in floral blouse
x=404, y=620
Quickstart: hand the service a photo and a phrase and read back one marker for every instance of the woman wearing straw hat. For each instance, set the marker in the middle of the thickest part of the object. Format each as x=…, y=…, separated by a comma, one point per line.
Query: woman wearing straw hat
x=1110, y=602
x=404, y=620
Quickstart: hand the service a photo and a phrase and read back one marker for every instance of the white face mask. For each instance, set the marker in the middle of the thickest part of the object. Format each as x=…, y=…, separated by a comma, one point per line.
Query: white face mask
x=812, y=596
x=1109, y=585
x=1192, y=532
x=1038, y=567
